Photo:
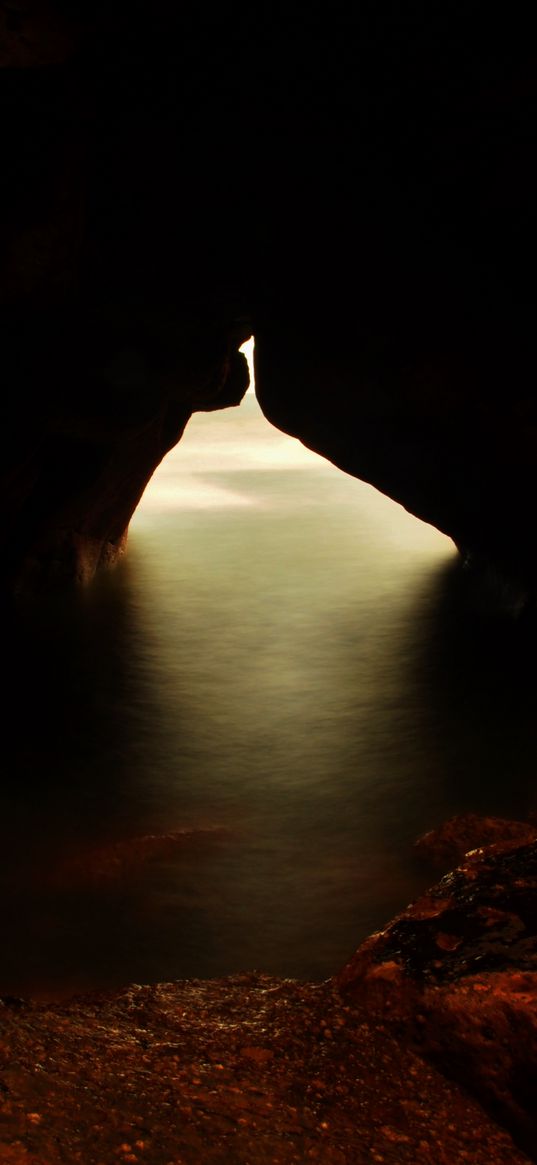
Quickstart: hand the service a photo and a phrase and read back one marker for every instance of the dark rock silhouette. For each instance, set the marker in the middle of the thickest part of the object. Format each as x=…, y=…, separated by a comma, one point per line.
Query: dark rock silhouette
x=358, y=194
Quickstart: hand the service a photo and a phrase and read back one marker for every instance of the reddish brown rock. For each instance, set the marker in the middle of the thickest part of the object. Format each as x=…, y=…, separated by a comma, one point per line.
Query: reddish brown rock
x=251, y=1070
x=444, y=847
x=457, y=971
x=243, y=1071
x=123, y=859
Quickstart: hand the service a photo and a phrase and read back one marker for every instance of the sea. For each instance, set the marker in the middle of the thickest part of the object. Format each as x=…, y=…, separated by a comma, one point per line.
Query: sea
x=219, y=755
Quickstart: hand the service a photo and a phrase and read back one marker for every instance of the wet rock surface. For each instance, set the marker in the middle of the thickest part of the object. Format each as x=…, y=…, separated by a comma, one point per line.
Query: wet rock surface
x=423, y=1048
x=240, y=1071
x=446, y=846
x=457, y=971
x=481, y=917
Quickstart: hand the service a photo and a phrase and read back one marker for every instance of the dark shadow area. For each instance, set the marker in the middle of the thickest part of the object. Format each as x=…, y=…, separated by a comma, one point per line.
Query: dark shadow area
x=478, y=667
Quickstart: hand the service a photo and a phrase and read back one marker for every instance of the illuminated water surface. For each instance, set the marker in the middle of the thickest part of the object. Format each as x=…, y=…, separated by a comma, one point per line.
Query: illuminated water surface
x=283, y=666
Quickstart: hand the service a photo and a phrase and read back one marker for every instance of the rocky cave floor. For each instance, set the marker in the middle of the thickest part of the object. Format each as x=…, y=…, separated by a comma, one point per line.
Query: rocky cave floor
x=422, y=1049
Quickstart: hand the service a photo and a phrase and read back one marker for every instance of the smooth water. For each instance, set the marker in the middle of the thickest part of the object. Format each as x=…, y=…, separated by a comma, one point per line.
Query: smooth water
x=288, y=665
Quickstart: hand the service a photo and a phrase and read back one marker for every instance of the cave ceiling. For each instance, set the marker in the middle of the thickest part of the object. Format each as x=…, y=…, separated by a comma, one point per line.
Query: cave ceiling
x=358, y=194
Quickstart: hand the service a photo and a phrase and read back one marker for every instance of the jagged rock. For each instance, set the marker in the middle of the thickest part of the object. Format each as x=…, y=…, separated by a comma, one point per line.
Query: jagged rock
x=444, y=847
x=457, y=972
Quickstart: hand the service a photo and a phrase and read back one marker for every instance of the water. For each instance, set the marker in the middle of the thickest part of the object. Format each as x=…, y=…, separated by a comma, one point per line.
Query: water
x=287, y=665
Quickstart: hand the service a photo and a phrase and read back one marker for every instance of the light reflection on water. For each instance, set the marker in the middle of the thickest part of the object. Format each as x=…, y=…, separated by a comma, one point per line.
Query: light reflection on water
x=284, y=654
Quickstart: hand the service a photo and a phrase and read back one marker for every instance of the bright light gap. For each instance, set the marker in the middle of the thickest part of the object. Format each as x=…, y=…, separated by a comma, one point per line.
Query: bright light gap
x=248, y=350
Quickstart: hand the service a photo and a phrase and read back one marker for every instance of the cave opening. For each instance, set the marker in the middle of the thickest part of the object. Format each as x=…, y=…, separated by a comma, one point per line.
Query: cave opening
x=218, y=756
x=240, y=777
x=286, y=701
x=247, y=350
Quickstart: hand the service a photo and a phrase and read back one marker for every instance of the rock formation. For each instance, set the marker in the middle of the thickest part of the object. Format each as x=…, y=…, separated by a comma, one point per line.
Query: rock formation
x=359, y=194
x=422, y=1048
x=445, y=847
x=457, y=971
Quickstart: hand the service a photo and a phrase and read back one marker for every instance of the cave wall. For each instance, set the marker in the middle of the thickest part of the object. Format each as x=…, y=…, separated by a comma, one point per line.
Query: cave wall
x=360, y=194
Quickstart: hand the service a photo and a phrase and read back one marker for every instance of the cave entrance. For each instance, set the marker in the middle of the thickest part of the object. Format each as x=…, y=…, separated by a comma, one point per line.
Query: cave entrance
x=279, y=620
x=234, y=459
x=241, y=770
x=230, y=459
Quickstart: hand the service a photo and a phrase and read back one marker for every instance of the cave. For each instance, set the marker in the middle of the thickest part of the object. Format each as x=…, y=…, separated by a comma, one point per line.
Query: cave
x=359, y=194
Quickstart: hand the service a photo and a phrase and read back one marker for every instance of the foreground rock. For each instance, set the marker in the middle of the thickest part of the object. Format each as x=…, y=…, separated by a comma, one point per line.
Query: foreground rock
x=446, y=846
x=457, y=973
x=242, y=1071
x=422, y=1049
